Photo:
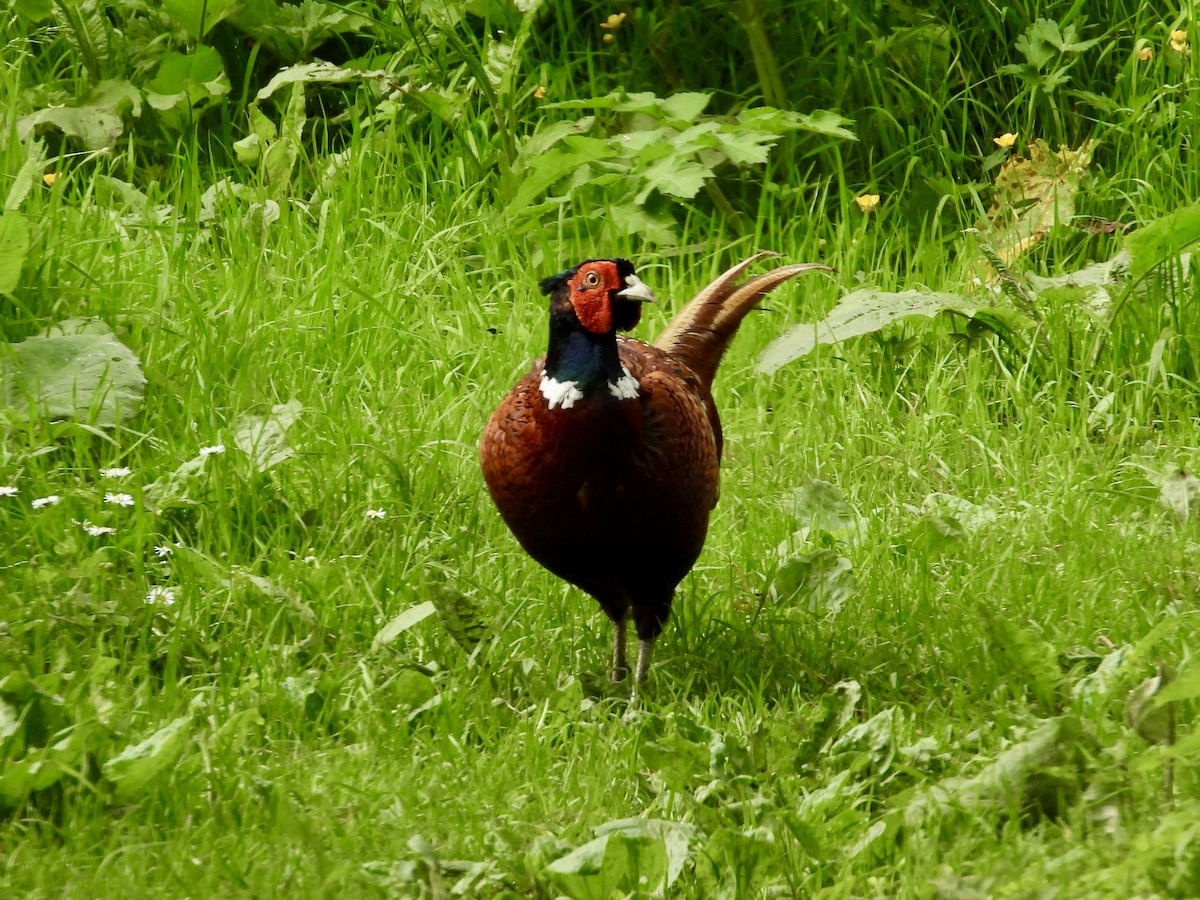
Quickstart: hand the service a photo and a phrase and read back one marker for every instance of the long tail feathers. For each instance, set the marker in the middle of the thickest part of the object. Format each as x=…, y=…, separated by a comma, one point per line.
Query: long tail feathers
x=703, y=329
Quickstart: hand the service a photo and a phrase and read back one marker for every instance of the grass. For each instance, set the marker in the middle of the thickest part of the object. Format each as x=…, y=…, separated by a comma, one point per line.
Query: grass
x=805, y=745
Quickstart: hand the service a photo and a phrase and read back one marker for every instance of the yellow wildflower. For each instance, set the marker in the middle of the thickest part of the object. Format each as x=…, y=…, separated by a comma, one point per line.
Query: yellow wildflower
x=1145, y=53
x=613, y=22
x=867, y=202
x=1005, y=140
x=540, y=92
x=608, y=38
x=1179, y=41
x=49, y=178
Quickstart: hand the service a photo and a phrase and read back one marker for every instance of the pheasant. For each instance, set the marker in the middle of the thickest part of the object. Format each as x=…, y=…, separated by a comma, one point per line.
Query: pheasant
x=604, y=459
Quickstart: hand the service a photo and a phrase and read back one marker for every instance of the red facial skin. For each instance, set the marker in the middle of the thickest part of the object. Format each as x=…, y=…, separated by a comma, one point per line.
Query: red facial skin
x=592, y=289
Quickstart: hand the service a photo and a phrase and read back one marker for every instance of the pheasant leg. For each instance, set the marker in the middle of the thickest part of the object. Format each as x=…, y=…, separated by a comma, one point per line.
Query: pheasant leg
x=645, y=649
x=620, y=667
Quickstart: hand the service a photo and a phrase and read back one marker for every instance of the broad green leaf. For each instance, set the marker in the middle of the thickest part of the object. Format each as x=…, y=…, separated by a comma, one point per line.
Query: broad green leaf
x=1184, y=687
x=403, y=622
x=676, y=837
x=96, y=121
x=261, y=125
x=1151, y=717
x=87, y=377
x=497, y=62
x=10, y=724
x=733, y=864
x=193, y=79
x=134, y=770
x=629, y=218
x=549, y=134
x=316, y=71
x=198, y=16
x=972, y=516
x=263, y=437
x=821, y=506
x=183, y=487
x=94, y=128
x=34, y=10
x=1160, y=242
x=861, y=312
x=1034, y=776
x=822, y=581
x=675, y=176
x=767, y=119
x=1039, y=42
x=548, y=169
x=685, y=106
x=41, y=768
x=932, y=535
x=615, y=862
x=14, y=247
x=1180, y=494
x=1088, y=287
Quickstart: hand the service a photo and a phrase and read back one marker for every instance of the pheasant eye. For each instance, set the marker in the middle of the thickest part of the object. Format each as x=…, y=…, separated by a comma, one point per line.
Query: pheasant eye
x=591, y=279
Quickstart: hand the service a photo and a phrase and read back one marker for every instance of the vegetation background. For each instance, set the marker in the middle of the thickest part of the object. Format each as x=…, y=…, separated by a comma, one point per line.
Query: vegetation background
x=265, y=268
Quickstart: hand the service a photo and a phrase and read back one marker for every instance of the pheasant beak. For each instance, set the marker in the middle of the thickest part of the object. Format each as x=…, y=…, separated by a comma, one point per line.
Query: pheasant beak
x=636, y=290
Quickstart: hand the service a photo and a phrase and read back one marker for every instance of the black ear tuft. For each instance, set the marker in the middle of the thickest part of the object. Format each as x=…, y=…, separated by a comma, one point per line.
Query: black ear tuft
x=552, y=283
x=624, y=267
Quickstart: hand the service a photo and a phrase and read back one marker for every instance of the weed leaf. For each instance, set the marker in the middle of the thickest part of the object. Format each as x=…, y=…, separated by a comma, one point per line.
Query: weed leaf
x=861, y=312
x=403, y=622
x=134, y=770
x=87, y=377
x=14, y=247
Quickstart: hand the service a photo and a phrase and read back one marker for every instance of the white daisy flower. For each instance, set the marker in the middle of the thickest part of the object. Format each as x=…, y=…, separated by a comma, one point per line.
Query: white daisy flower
x=118, y=499
x=163, y=596
x=376, y=513
x=7, y=490
x=45, y=501
x=163, y=552
x=119, y=472
x=215, y=448
x=97, y=530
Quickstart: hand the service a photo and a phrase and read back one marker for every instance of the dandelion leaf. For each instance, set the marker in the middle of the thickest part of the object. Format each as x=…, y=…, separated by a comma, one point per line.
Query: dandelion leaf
x=858, y=313
x=134, y=770
x=614, y=864
x=88, y=377
x=263, y=436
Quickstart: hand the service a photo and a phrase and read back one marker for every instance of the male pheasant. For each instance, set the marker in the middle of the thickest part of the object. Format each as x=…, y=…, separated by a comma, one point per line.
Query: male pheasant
x=603, y=460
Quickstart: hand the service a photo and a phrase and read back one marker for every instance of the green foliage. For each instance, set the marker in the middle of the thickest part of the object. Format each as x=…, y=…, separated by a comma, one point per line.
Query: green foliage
x=266, y=635
x=79, y=370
